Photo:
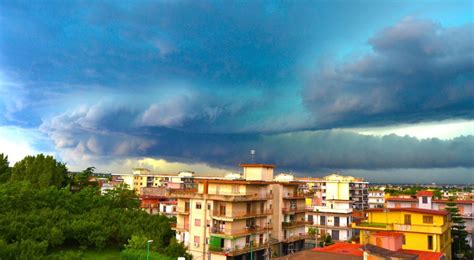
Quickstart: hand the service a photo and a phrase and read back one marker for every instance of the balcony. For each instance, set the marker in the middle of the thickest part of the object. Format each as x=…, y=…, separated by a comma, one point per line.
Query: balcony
x=330, y=227
x=183, y=211
x=232, y=197
x=293, y=196
x=329, y=210
x=230, y=233
x=297, y=237
x=401, y=227
x=229, y=215
x=293, y=224
x=237, y=250
x=180, y=227
x=293, y=210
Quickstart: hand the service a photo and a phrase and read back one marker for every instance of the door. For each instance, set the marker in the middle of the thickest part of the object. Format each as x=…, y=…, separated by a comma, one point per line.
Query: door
x=335, y=234
x=336, y=221
x=322, y=221
x=249, y=208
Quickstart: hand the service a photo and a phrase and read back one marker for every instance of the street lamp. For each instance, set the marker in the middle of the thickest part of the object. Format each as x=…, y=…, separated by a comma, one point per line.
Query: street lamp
x=148, y=249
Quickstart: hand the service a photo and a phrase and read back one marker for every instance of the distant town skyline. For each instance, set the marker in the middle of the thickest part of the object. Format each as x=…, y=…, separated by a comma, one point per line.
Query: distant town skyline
x=377, y=89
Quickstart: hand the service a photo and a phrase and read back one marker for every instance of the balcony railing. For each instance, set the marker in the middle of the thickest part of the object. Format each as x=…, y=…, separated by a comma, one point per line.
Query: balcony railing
x=293, y=210
x=292, y=224
x=240, y=232
x=237, y=250
x=234, y=197
x=296, y=238
x=241, y=214
x=401, y=227
x=183, y=210
x=181, y=227
x=294, y=196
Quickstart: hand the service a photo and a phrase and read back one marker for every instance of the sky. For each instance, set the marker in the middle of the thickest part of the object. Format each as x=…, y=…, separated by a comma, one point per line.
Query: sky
x=376, y=89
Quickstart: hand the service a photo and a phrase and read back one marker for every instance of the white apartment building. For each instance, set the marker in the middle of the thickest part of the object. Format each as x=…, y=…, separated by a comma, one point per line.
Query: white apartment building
x=376, y=199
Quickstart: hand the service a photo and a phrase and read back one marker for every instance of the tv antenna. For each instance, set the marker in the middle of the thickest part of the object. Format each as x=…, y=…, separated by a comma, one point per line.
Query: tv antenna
x=252, y=154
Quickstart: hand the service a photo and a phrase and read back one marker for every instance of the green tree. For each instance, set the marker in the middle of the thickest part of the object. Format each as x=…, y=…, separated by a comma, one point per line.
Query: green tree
x=4, y=168
x=458, y=231
x=41, y=171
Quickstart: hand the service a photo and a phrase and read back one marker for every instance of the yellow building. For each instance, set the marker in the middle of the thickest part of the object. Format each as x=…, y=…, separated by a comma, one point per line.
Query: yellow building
x=141, y=178
x=422, y=229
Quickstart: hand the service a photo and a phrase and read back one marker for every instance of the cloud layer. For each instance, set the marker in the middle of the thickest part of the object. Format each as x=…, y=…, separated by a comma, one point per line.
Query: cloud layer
x=417, y=71
x=205, y=82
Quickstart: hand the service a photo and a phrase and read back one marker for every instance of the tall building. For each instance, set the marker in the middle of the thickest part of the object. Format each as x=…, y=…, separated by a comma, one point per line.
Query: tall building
x=242, y=215
x=331, y=202
x=376, y=199
x=419, y=229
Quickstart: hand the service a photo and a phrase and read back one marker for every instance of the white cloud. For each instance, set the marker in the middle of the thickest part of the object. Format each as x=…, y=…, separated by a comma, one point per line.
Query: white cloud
x=445, y=130
x=18, y=142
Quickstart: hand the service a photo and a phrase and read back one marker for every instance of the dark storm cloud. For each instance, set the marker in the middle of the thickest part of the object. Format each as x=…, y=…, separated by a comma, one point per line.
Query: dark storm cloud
x=301, y=151
x=417, y=71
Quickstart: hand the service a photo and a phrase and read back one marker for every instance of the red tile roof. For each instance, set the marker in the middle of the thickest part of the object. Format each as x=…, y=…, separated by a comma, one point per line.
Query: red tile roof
x=424, y=193
x=423, y=255
x=342, y=248
x=414, y=210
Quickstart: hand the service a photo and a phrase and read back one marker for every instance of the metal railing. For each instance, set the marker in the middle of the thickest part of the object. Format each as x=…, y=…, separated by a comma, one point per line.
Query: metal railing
x=241, y=214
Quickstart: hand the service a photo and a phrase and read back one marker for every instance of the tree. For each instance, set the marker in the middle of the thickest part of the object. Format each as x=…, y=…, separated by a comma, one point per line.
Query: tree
x=313, y=233
x=4, y=168
x=458, y=232
x=41, y=171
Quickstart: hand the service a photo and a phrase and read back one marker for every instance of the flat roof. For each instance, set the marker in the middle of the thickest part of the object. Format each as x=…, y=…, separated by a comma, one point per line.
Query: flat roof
x=257, y=165
x=414, y=210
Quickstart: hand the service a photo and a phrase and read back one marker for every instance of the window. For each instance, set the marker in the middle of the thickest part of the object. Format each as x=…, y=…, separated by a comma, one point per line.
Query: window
x=424, y=199
x=196, y=240
x=198, y=205
x=209, y=206
x=407, y=219
x=430, y=242
x=310, y=218
x=428, y=219
x=403, y=239
x=197, y=222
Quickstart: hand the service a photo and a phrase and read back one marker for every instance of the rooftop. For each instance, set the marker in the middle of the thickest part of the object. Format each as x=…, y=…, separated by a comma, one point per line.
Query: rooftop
x=257, y=165
x=414, y=210
x=342, y=248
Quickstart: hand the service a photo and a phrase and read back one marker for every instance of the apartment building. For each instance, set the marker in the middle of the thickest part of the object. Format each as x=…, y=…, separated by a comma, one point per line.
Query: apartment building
x=419, y=229
x=354, y=189
x=289, y=222
x=376, y=199
x=331, y=209
x=424, y=199
x=143, y=178
x=331, y=201
x=240, y=216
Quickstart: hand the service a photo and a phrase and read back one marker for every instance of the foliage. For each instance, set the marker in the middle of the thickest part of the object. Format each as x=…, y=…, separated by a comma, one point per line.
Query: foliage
x=82, y=180
x=458, y=231
x=42, y=171
x=176, y=249
x=312, y=231
x=136, y=254
x=137, y=242
x=37, y=218
x=5, y=171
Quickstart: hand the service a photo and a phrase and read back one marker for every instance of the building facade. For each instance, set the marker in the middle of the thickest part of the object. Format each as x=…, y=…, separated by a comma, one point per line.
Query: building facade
x=376, y=199
x=242, y=215
x=420, y=229
x=425, y=200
